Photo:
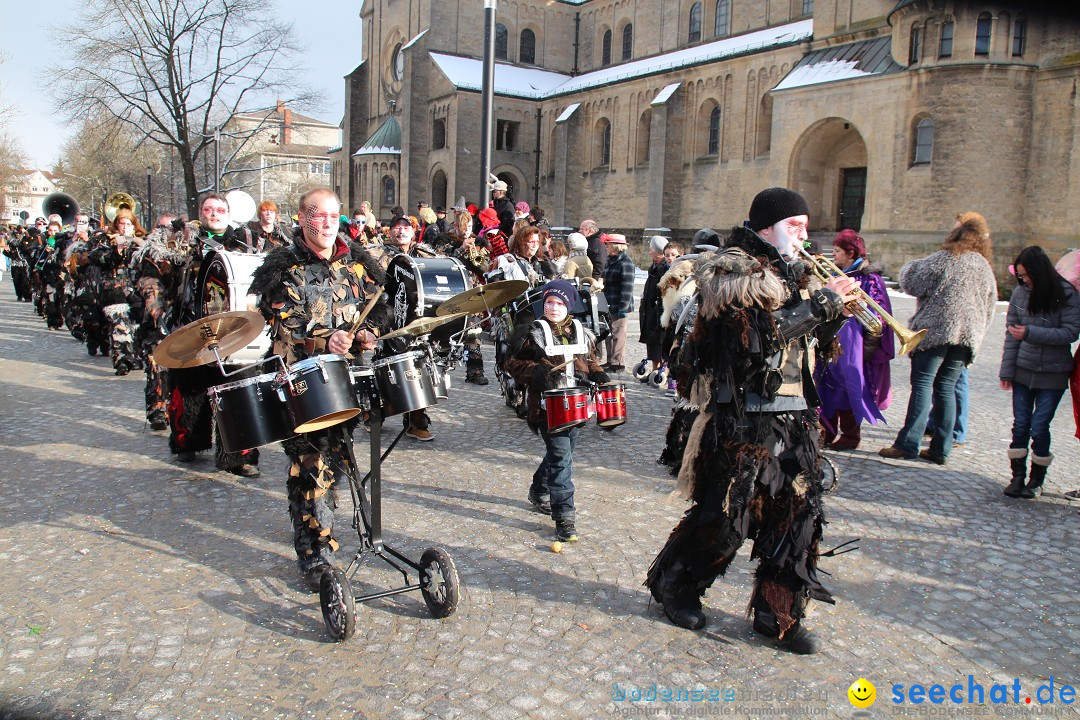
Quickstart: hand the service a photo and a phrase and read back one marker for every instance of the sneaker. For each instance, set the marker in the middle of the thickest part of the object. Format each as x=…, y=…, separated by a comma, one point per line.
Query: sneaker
x=540, y=503
x=565, y=531
x=420, y=434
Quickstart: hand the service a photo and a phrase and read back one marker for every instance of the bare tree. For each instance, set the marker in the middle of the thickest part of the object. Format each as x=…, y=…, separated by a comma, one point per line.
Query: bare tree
x=12, y=158
x=175, y=71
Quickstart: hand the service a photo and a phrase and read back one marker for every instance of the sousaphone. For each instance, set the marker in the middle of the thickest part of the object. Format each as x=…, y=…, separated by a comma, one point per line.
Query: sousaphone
x=118, y=201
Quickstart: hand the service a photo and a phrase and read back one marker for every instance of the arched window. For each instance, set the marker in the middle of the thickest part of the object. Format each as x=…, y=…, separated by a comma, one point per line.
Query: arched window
x=389, y=196
x=527, y=48
x=627, y=41
x=695, y=23
x=438, y=134
x=1019, y=37
x=714, y=132
x=764, y=125
x=923, y=145
x=915, y=45
x=807, y=7
x=722, y=24
x=502, y=42
x=945, y=44
x=605, y=53
x=644, y=128
x=982, y=34
x=603, y=142
x=438, y=189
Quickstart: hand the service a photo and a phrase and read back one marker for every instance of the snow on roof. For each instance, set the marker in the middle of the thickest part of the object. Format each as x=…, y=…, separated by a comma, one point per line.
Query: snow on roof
x=533, y=83
x=468, y=73
x=565, y=115
x=664, y=95
x=412, y=42
x=842, y=62
x=760, y=39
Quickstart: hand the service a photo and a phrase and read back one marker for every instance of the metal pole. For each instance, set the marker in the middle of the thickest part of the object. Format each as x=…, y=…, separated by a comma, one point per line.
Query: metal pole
x=488, y=101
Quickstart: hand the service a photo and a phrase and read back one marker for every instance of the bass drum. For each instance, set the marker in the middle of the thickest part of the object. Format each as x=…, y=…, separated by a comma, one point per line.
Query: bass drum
x=223, y=283
x=420, y=285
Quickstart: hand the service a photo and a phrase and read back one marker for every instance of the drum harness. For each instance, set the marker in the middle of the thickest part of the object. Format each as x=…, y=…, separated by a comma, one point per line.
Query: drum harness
x=567, y=352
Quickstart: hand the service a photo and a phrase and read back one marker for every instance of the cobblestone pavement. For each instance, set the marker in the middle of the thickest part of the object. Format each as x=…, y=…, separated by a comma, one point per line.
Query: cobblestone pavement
x=137, y=588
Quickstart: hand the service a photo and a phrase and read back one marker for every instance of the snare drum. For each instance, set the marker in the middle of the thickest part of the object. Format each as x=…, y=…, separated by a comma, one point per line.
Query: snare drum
x=566, y=408
x=319, y=393
x=610, y=405
x=405, y=383
x=250, y=413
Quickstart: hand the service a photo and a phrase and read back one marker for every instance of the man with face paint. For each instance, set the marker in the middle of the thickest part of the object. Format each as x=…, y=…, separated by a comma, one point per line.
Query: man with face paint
x=552, y=340
x=311, y=292
x=752, y=465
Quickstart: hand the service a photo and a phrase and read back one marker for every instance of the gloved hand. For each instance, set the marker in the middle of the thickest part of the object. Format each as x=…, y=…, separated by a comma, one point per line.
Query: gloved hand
x=599, y=377
x=542, y=378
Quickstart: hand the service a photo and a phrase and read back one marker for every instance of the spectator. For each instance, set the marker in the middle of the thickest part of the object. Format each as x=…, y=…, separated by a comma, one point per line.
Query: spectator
x=596, y=252
x=956, y=292
x=650, y=309
x=619, y=291
x=1043, y=322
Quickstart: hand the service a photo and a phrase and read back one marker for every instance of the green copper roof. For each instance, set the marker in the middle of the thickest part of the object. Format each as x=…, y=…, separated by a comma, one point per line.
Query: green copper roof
x=384, y=141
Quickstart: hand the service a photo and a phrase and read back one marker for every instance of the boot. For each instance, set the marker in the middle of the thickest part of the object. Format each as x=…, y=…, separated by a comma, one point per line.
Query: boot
x=1018, y=460
x=681, y=606
x=1039, y=465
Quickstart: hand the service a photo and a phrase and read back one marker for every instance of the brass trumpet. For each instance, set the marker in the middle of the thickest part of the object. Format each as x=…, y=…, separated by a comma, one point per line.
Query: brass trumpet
x=863, y=309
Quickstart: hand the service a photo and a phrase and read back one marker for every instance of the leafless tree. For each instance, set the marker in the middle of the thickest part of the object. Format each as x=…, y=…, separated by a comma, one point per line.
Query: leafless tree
x=174, y=71
x=12, y=158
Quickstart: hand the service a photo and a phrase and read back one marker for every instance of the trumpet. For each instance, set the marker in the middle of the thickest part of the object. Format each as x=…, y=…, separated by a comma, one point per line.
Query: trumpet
x=864, y=309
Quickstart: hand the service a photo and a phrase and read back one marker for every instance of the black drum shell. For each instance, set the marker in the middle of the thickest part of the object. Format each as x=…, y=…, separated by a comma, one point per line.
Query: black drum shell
x=250, y=413
x=405, y=383
x=319, y=393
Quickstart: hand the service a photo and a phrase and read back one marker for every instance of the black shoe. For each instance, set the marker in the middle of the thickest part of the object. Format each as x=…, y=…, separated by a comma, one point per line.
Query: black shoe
x=91, y=350
x=801, y=641
x=480, y=380
x=246, y=470
x=158, y=421
x=682, y=609
x=312, y=577
x=540, y=503
x=765, y=624
x=122, y=368
x=186, y=457
x=1016, y=487
x=565, y=530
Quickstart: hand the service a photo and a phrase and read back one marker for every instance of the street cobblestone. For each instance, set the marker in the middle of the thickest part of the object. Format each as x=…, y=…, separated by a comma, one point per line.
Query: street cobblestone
x=135, y=587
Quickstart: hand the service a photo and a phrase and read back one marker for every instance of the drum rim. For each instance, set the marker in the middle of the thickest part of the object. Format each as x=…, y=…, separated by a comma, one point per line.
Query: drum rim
x=314, y=361
x=563, y=392
x=382, y=362
x=236, y=384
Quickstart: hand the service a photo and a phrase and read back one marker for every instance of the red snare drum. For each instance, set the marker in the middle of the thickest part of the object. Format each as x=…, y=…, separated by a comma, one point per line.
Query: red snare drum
x=566, y=408
x=611, y=405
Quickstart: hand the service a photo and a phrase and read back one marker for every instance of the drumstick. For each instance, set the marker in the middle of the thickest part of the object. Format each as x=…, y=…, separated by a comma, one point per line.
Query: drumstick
x=366, y=311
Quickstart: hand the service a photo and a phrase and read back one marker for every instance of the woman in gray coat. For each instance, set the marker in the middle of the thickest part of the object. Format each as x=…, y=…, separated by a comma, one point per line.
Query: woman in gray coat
x=956, y=293
x=1043, y=321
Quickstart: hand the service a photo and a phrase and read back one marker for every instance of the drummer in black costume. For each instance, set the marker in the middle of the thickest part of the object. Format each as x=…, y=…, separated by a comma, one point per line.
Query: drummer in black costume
x=551, y=341
x=189, y=411
x=309, y=291
x=403, y=241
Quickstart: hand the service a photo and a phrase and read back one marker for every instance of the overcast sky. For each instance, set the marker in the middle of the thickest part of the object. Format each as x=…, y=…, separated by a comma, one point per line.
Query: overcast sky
x=27, y=52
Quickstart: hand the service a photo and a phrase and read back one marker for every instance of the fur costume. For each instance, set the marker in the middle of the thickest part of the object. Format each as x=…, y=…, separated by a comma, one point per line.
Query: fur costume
x=751, y=465
x=305, y=300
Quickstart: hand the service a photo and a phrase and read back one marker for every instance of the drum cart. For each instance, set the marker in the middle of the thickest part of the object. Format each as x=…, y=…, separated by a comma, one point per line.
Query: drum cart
x=436, y=575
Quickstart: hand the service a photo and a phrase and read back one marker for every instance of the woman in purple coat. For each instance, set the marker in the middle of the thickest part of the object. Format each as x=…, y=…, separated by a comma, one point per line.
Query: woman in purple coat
x=855, y=386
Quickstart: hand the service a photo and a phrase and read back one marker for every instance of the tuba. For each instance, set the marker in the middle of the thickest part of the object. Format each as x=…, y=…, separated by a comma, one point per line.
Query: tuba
x=241, y=207
x=863, y=308
x=118, y=201
x=61, y=204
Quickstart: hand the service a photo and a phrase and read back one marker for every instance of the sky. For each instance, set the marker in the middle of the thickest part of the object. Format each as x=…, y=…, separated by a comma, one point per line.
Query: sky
x=27, y=52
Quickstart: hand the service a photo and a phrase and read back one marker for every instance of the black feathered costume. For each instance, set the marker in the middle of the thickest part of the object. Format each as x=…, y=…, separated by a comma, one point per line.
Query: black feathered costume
x=306, y=299
x=752, y=464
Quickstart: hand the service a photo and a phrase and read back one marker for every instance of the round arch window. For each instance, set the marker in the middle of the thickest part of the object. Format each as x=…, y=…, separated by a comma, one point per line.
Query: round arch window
x=399, y=63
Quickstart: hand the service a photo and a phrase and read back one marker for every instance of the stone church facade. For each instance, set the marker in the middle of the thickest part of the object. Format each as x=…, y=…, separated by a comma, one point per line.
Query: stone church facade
x=889, y=117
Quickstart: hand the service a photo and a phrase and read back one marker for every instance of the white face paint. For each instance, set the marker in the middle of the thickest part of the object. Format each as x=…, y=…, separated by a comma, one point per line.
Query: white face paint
x=787, y=235
x=554, y=309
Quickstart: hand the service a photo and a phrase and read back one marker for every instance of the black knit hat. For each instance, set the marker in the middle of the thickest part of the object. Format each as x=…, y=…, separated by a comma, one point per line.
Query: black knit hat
x=775, y=204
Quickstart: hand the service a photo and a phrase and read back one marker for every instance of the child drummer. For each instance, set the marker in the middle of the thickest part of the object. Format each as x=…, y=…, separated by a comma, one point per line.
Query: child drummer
x=555, y=340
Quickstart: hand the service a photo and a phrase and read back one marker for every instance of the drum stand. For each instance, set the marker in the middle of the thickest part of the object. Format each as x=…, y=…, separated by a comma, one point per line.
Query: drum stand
x=437, y=577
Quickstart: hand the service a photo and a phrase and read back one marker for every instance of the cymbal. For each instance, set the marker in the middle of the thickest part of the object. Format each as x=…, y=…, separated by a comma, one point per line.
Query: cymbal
x=193, y=344
x=483, y=297
x=421, y=326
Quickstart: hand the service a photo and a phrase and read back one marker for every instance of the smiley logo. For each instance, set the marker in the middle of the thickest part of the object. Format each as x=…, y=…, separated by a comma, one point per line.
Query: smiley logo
x=862, y=693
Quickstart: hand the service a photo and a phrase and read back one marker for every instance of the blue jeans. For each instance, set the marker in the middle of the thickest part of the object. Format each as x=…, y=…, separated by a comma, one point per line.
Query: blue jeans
x=959, y=433
x=934, y=372
x=1033, y=411
x=554, y=477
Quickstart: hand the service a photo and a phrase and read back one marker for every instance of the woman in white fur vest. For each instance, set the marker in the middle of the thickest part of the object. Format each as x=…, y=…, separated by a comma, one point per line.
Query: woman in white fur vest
x=956, y=292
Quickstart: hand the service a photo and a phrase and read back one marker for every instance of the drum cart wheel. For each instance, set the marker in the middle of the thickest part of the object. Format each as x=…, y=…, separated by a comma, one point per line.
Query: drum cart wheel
x=338, y=605
x=439, y=582
x=436, y=575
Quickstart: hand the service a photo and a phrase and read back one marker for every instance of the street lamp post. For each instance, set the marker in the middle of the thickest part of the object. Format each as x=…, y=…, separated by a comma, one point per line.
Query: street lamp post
x=149, y=200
